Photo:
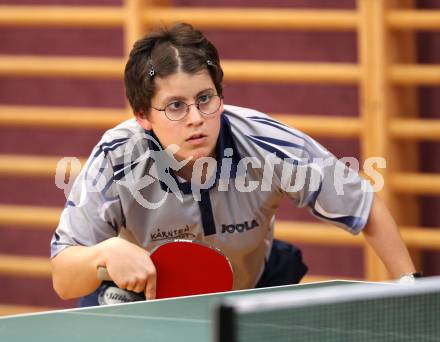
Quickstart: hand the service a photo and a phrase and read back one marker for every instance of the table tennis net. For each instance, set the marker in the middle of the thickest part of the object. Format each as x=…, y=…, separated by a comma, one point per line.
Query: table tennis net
x=357, y=312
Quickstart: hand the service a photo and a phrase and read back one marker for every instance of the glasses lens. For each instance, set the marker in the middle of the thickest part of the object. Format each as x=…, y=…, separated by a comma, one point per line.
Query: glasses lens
x=209, y=104
x=176, y=110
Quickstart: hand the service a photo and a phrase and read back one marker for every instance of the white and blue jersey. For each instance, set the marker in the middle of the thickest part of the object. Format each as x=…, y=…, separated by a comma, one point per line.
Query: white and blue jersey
x=128, y=188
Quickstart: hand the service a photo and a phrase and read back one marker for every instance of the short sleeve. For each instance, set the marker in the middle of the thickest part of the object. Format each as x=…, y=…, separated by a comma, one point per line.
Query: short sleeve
x=304, y=170
x=93, y=210
x=333, y=191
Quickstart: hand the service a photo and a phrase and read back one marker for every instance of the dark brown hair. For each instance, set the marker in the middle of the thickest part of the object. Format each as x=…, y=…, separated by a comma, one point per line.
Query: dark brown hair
x=163, y=52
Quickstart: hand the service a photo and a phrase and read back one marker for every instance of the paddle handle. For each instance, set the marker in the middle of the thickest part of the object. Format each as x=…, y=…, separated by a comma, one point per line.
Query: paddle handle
x=102, y=273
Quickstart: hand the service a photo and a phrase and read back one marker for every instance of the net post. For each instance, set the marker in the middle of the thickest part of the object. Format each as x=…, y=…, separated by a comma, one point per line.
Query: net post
x=225, y=323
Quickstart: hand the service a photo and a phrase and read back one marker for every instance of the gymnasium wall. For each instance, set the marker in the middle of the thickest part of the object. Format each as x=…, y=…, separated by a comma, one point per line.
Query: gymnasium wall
x=307, y=99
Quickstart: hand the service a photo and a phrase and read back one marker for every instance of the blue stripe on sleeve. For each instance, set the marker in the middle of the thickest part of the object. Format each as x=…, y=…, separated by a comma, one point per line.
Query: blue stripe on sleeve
x=269, y=122
x=278, y=142
x=271, y=149
x=277, y=125
x=259, y=118
x=355, y=223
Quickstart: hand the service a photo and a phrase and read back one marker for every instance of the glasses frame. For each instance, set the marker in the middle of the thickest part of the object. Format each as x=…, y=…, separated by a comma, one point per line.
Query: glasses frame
x=197, y=104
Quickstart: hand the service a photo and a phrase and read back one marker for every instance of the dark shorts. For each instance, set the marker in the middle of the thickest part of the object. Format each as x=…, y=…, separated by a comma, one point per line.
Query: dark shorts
x=284, y=267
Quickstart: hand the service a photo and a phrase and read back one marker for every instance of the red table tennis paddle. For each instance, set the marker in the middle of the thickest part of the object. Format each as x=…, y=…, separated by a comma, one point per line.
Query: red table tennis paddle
x=187, y=268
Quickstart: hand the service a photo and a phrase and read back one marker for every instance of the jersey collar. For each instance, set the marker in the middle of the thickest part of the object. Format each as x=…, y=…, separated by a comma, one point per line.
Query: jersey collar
x=225, y=142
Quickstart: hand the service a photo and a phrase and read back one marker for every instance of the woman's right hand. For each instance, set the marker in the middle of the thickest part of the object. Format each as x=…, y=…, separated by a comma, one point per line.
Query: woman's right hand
x=129, y=266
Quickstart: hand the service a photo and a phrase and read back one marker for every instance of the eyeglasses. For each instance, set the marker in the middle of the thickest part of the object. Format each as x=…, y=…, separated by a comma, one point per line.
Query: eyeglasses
x=206, y=105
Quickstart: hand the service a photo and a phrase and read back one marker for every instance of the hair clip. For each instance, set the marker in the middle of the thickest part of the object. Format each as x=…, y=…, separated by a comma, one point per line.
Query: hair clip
x=151, y=73
x=210, y=63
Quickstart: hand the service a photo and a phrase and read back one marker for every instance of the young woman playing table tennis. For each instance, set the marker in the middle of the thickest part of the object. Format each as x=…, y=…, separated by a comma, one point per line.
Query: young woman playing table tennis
x=187, y=166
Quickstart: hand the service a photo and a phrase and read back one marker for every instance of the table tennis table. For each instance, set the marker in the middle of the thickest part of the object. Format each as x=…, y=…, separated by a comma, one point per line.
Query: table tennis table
x=178, y=319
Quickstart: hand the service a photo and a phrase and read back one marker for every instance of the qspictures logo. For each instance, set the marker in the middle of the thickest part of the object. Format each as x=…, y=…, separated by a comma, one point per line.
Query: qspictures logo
x=292, y=174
